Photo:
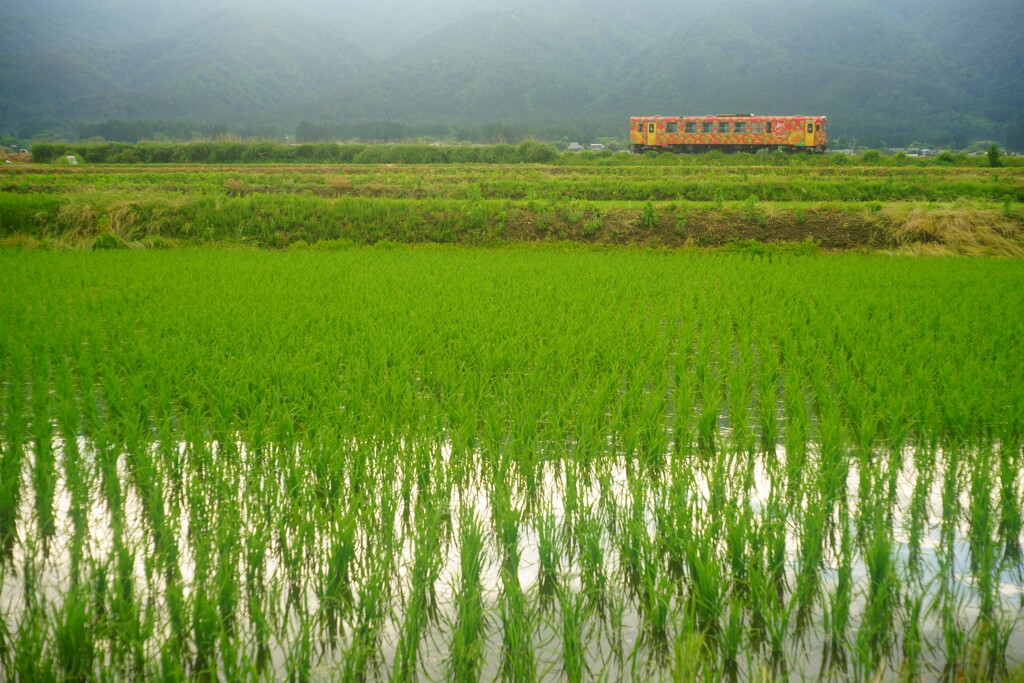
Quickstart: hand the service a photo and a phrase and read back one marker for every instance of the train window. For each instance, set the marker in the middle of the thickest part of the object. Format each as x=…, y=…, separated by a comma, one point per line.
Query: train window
x=707, y=127
x=650, y=127
x=723, y=126
x=817, y=128
x=757, y=126
x=691, y=127
x=672, y=127
x=810, y=127
x=740, y=127
x=640, y=127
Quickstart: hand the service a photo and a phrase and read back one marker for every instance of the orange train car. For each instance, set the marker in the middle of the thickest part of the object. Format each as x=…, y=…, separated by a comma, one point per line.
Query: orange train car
x=728, y=133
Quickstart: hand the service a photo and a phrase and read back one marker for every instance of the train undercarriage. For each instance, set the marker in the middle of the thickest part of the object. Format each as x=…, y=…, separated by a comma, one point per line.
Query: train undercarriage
x=728, y=149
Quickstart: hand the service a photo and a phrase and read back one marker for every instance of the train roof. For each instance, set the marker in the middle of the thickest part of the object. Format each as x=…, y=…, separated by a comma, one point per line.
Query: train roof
x=729, y=116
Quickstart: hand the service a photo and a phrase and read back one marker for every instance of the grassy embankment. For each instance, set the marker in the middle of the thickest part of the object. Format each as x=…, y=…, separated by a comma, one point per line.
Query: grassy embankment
x=662, y=201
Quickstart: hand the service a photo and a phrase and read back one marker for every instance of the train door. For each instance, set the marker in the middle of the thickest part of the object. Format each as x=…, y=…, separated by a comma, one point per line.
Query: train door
x=652, y=133
x=809, y=133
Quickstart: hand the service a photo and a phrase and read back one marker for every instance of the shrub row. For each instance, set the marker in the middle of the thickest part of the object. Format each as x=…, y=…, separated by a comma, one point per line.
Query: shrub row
x=261, y=152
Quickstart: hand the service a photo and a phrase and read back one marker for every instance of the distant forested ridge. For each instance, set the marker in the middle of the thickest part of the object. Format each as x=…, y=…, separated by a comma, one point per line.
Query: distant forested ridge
x=937, y=72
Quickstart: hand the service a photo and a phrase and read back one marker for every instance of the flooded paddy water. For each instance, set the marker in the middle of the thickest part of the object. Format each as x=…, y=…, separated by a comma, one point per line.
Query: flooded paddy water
x=478, y=465
x=680, y=563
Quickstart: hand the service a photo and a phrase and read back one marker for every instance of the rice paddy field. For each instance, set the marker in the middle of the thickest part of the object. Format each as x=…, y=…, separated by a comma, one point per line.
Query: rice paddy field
x=450, y=463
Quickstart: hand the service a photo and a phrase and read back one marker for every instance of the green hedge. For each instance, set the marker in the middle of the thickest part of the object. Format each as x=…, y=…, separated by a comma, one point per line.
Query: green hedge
x=266, y=152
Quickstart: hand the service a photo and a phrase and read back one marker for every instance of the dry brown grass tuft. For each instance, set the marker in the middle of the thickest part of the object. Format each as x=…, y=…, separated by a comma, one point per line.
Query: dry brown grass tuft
x=235, y=187
x=339, y=184
x=981, y=232
x=124, y=221
x=78, y=219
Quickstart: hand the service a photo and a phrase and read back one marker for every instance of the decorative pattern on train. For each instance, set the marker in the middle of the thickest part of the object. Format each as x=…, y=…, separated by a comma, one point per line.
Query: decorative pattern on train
x=684, y=133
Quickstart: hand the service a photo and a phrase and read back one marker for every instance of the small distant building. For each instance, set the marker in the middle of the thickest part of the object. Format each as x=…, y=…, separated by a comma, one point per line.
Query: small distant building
x=575, y=147
x=596, y=147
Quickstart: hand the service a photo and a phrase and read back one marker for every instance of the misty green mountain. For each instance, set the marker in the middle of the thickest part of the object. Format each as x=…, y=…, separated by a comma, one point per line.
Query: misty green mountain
x=935, y=71
x=230, y=65
x=542, y=67
x=486, y=67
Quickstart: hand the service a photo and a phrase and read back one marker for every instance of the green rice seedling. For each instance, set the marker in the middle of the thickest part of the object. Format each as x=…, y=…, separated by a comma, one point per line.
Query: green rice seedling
x=834, y=462
x=730, y=638
x=756, y=592
x=44, y=475
x=592, y=560
x=336, y=597
x=1010, y=503
x=75, y=474
x=28, y=657
x=797, y=431
x=632, y=541
x=874, y=635
x=954, y=635
x=740, y=385
x=691, y=658
x=169, y=667
x=467, y=636
x=517, y=659
x=918, y=513
x=656, y=607
x=950, y=500
x=233, y=657
x=913, y=639
x=225, y=581
x=255, y=592
x=718, y=508
x=290, y=555
x=204, y=635
x=777, y=629
x=677, y=524
x=371, y=608
x=710, y=391
x=571, y=604
x=767, y=395
x=986, y=575
x=809, y=559
x=421, y=599
x=549, y=551
x=706, y=588
x=10, y=495
x=996, y=637
x=75, y=638
x=5, y=634
x=838, y=610
x=683, y=434
x=570, y=499
x=298, y=660
x=774, y=534
x=612, y=629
